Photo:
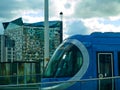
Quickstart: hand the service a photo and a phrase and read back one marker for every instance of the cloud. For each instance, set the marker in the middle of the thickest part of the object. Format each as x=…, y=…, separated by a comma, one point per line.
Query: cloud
x=16, y=8
x=75, y=27
x=97, y=8
x=12, y=9
x=101, y=25
x=65, y=6
x=82, y=11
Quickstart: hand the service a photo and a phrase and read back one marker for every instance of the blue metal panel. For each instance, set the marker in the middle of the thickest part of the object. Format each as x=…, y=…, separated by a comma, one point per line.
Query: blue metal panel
x=97, y=42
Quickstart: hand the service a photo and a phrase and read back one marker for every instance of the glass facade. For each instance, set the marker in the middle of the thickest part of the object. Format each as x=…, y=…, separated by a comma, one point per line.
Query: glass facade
x=19, y=72
x=29, y=39
x=6, y=49
x=24, y=50
x=33, y=44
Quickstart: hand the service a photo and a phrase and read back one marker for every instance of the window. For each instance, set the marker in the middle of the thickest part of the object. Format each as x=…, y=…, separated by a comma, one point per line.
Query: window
x=105, y=69
x=66, y=62
x=119, y=63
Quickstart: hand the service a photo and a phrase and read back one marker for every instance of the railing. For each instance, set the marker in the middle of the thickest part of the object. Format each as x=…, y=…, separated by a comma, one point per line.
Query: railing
x=91, y=82
x=19, y=79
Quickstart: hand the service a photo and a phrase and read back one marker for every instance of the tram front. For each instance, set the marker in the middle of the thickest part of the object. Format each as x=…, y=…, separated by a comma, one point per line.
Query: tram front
x=68, y=63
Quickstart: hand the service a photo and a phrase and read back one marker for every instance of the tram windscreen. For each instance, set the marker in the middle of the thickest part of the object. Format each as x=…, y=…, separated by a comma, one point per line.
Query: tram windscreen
x=65, y=62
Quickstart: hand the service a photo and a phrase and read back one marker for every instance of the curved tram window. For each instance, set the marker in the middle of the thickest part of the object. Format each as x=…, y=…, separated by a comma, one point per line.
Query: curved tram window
x=66, y=61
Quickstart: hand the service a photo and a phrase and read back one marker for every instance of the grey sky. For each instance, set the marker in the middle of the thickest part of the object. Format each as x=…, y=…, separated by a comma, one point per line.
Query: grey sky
x=83, y=8
x=75, y=27
x=15, y=8
x=79, y=10
x=97, y=8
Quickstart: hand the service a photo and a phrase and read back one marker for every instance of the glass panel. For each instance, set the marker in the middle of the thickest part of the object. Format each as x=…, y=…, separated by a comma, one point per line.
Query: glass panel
x=105, y=70
x=119, y=63
x=21, y=73
x=14, y=73
x=66, y=62
x=105, y=65
x=5, y=73
x=38, y=72
x=33, y=73
x=30, y=72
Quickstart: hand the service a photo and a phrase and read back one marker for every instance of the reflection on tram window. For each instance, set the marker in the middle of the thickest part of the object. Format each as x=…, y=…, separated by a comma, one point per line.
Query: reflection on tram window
x=66, y=62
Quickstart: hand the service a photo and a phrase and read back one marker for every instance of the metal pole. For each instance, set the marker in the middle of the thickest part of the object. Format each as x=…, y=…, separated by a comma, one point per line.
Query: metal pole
x=46, y=33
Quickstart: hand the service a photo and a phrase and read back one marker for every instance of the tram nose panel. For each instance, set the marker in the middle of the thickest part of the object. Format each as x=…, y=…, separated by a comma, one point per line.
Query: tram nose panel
x=71, y=59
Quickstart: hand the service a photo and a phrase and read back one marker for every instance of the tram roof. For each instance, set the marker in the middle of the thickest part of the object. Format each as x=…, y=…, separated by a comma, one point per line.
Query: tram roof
x=99, y=37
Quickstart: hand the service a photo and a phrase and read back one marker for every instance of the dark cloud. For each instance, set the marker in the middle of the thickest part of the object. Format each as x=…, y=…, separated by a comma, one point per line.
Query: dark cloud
x=83, y=9
x=75, y=27
x=67, y=5
x=13, y=8
x=97, y=8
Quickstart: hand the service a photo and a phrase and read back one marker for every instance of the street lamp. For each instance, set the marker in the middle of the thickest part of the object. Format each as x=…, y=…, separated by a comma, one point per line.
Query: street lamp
x=46, y=33
x=61, y=16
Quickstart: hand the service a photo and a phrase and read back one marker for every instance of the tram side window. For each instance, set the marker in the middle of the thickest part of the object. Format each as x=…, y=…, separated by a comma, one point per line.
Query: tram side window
x=70, y=63
x=119, y=63
x=66, y=62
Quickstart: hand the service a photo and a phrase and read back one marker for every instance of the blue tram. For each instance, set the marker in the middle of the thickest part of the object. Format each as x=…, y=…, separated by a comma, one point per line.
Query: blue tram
x=85, y=62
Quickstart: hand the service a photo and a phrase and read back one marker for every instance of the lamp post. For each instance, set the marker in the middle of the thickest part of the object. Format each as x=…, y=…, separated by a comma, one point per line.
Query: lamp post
x=61, y=19
x=46, y=32
x=61, y=16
